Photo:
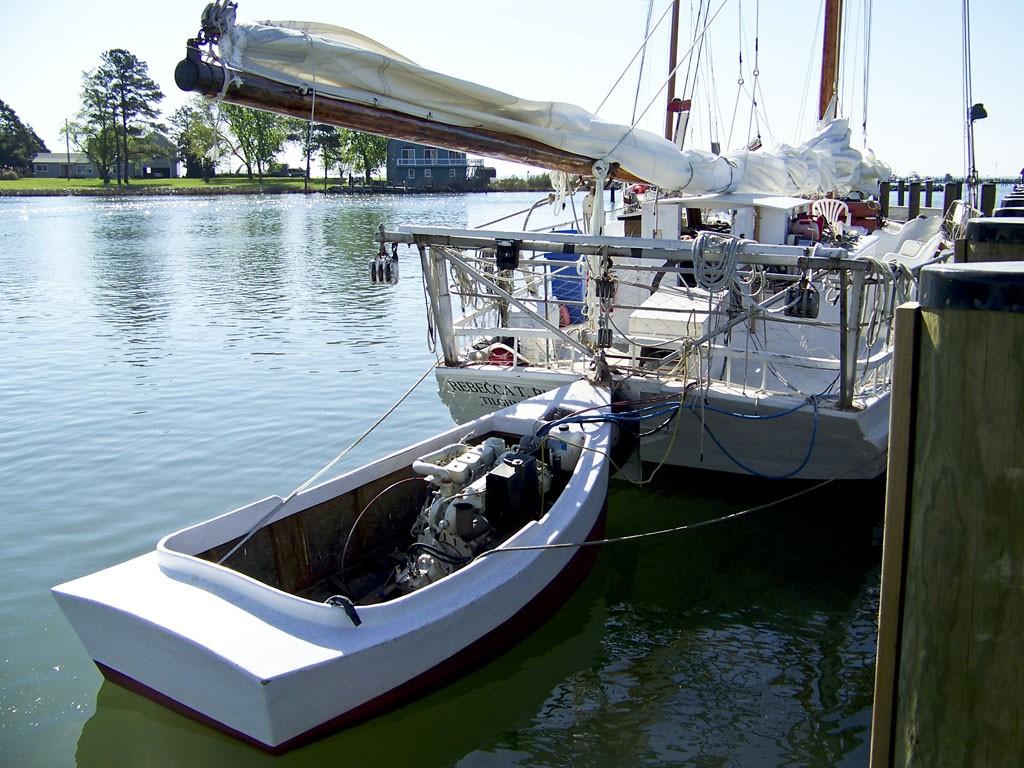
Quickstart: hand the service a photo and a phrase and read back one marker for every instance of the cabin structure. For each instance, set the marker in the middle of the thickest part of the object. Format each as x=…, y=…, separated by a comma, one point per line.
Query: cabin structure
x=78, y=165
x=419, y=167
x=63, y=165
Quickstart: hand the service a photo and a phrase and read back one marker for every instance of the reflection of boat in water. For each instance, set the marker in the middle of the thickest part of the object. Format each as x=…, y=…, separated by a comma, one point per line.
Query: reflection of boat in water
x=286, y=618
x=749, y=311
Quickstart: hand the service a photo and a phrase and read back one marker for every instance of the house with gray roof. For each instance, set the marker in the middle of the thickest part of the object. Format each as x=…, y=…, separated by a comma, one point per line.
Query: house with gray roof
x=63, y=165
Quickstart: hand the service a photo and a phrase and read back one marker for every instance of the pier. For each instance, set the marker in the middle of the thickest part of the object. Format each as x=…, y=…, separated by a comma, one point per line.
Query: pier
x=904, y=199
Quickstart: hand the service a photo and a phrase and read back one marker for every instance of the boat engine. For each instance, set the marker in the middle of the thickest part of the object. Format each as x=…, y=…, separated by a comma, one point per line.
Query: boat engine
x=482, y=494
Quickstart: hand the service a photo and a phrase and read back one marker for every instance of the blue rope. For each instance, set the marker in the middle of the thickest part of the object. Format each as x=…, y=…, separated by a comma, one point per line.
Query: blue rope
x=671, y=408
x=807, y=457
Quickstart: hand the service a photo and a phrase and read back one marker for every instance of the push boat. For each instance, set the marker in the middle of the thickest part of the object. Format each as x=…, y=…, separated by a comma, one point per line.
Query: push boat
x=745, y=299
x=289, y=618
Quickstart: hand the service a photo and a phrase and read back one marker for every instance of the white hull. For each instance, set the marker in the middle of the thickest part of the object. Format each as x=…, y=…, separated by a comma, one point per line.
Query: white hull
x=806, y=443
x=277, y=669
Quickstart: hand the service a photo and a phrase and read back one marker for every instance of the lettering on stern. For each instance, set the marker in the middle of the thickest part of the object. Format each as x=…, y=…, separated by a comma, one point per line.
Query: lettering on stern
x=494, y=394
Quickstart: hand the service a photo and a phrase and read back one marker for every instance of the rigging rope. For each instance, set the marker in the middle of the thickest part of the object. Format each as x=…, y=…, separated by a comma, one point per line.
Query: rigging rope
x=678, y=528
x=714, y=259
x=664, y=85
x=643, y=57
x=867, y=67
x=640, y=50
x=262, y=521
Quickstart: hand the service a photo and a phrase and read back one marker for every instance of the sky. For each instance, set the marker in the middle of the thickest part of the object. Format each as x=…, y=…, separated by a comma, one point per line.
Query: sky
x=575, y=50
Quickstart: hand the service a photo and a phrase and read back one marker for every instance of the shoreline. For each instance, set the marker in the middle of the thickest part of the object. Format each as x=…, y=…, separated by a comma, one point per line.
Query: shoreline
x=235, y=189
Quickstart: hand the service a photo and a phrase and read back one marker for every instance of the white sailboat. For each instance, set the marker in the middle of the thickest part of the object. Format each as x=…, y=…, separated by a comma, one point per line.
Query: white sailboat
x=745, y=323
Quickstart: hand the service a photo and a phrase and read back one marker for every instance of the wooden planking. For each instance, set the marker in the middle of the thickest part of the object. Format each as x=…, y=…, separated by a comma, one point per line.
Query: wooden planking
x=959, y=684
x=897, y=508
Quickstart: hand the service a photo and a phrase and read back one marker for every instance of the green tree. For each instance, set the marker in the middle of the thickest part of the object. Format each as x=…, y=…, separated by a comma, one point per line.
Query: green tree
x=326, y=140
x=258, y=136
x=301, y=132
x=94, y=131
x=365, y=151
x=18, y=142
x=118, y=102
x=134, y=95
x=196, y=127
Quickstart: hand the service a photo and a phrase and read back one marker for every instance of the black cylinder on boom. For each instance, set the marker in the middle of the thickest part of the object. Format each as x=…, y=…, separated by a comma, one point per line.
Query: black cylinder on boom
x=197, y=76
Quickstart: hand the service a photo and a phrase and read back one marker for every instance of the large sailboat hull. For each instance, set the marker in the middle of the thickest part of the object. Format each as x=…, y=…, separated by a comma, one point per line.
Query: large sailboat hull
x=724, y=429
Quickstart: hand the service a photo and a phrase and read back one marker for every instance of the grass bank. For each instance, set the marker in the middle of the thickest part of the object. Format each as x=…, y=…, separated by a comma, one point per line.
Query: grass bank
x=233, y=185
x=219, y=185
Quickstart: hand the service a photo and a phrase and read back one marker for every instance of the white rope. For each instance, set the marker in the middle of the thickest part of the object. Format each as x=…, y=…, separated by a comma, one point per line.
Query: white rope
x=714, y=260
x=679, y=528
x=327, y=468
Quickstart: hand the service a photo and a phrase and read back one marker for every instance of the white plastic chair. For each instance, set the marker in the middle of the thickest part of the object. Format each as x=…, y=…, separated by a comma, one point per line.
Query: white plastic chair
x=834, y=211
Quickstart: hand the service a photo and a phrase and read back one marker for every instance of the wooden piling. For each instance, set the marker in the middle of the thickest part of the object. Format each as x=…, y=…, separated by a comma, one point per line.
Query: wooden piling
x=914, y=206
x=952, y=192
x=884, y=190
x=949, y=683
x=988, y=199
x=992, y=239
x=928, y=187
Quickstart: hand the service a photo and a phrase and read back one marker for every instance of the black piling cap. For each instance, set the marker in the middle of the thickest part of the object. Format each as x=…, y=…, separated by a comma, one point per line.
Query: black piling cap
x=996, y=286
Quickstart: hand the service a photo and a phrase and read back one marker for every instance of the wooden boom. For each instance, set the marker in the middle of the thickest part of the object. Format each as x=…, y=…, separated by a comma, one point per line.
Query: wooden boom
x=195, y=75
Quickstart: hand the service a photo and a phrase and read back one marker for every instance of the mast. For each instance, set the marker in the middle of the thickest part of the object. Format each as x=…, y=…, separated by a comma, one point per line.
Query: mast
x=672, y=109
x=828, y=95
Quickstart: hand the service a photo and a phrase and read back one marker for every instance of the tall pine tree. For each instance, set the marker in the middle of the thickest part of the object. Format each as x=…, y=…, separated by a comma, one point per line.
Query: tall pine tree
x=18, y=142
x=119, y=98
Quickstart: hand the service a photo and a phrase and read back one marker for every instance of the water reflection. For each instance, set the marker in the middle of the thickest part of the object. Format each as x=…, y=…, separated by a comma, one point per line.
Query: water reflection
x=264, y=356
x=128, y=286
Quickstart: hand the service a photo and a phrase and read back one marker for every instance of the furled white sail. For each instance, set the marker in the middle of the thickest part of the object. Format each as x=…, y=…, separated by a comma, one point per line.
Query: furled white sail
x=350, y=67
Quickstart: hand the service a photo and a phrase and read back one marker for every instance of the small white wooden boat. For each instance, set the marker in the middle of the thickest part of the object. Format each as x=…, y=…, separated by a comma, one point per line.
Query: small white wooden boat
x=286, y=619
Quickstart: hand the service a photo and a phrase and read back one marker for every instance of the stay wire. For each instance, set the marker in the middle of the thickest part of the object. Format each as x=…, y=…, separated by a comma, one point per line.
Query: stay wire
x=679, y=528
x=262, y=521
x=664, y=85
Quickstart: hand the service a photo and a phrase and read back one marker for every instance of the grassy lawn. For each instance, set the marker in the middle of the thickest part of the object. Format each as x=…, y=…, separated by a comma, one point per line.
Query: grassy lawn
x=217, y=184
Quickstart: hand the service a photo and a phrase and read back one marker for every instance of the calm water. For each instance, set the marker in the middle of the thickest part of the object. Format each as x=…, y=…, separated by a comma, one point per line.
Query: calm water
x=164, y=360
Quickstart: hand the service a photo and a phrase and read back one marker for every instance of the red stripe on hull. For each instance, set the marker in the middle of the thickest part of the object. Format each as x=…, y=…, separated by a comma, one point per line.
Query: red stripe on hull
x=473, y=656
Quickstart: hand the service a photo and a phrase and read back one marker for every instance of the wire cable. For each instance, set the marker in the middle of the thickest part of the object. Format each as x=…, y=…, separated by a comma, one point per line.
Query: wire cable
x=262, y=521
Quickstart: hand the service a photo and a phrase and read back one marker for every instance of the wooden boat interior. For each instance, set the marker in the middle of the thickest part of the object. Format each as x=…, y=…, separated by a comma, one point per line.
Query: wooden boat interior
x=353, y=542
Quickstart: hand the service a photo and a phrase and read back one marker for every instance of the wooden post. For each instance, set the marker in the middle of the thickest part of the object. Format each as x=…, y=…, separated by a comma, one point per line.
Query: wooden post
x=671, y=90
x=828, y=88
x=988, y=199
x=952, y=192
x=884, y=190
x=928, y=186
x=949, y=685
x=914, y=206
x=992, y=239
x=897, y=508
x=901, y=191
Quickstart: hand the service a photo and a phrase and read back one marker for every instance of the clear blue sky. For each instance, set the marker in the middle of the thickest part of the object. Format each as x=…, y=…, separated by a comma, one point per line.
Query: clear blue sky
x=574, y=51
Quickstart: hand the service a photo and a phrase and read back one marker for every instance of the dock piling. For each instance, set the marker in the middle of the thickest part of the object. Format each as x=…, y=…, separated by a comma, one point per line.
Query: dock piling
x=949, y=686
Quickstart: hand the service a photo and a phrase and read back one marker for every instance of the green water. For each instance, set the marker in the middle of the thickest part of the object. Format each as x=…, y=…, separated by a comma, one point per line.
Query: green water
x=162, y=361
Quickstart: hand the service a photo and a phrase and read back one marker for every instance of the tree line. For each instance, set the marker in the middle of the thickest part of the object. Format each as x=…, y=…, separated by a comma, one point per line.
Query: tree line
x=119, y=121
